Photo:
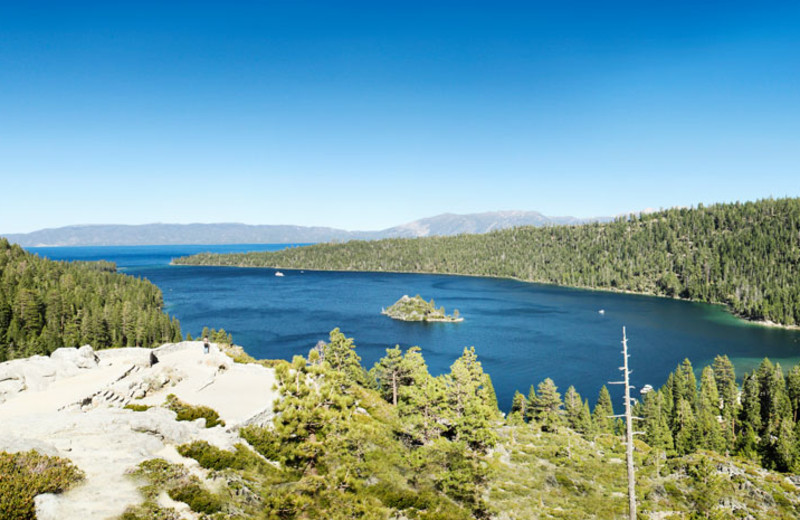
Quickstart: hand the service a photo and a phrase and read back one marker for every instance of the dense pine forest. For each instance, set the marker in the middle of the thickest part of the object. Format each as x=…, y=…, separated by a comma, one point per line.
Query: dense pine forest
x=45, y=305
x=744, y=255
x=759, y=423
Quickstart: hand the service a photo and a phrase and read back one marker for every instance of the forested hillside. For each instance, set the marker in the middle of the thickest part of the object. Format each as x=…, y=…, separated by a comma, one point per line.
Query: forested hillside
x=744, y=255
x=395, y=442
x=45, y=305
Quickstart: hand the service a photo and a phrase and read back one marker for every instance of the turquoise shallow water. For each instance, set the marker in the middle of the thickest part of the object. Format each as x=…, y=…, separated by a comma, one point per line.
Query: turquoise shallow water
x=522, y=332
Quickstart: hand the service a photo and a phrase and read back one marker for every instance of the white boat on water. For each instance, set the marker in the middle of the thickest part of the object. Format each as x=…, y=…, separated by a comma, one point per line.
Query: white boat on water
x=601, y=311
x=278, y=273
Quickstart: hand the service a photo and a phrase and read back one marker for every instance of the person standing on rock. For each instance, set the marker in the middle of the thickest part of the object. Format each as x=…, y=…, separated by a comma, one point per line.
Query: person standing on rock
x=206, y=346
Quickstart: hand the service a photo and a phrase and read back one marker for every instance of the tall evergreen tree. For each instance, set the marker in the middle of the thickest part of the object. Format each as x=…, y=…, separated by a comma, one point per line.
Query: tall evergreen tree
x=547, y=406
x=774, y=399
x=529, y=411
x=685, y=428
x=725, y=378
x=657, y=433
x=313, y=405
x=750, y=415
x=518, y=407
x=779, y=450
x=685, y=383
x=603, y=412
x=709, y=431
x=793, y=390
x=471, y=409
x=388, y=373
x=574, y=411
x=585, y=422
x=340, y=354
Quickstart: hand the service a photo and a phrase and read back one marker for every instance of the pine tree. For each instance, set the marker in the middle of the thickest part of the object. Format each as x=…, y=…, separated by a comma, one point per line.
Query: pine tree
x=421, y=400
x=603, y=412
x=574, y=411
x=684, y=432
x=657, y=433
x=774, y=399
x=725, y=377
x=686, y=383
x=518, y=405
x=780, y=452
x=313, y=405
x=747, y=443
x=340, y=354
x=793, y=390
x=491, y=395
x=529, y=412
x=469, y=402
x=708, y=488
x=547, y=406
x=585, y=421
x=750, y=415
x=387, y=371
x=709, y=432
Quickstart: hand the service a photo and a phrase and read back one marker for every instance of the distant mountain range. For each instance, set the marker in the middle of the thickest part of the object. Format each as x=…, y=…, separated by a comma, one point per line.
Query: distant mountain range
x=167, y=234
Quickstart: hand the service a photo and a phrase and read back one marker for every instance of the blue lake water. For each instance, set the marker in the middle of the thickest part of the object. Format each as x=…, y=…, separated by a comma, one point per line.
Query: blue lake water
x=522, y=332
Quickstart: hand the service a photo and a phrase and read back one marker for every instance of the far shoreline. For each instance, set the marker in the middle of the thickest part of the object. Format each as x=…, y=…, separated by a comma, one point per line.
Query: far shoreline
x=741, y=319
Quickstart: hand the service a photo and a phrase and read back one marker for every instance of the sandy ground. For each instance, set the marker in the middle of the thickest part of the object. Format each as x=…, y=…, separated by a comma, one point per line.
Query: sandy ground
x=79, y=415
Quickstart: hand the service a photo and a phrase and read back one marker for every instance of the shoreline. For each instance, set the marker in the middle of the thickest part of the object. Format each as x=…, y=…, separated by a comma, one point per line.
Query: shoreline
x=427, y=320
x=744, y=320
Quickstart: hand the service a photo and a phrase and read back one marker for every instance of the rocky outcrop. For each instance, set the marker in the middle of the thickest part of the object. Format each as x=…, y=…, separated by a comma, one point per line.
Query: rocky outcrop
x=72, y=405
x=38, y=372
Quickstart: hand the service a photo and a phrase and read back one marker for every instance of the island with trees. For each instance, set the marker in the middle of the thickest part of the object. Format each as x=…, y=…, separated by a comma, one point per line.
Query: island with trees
x=416, y=308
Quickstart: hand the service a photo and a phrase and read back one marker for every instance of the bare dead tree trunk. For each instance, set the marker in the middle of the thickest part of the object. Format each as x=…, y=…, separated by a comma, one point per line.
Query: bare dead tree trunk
x=628, y=428
x=629, y=433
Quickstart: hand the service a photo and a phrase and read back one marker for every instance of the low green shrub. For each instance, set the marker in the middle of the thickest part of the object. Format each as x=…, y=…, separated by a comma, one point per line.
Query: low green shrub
x=149, y=511
x=426, y=503
x=196, y=497
x=176, y=481
x=263, y=440
x=211, y=457
x=159, y=474
x=237, y=353
x=189, y=412
x=137, y=407
x=25, y=475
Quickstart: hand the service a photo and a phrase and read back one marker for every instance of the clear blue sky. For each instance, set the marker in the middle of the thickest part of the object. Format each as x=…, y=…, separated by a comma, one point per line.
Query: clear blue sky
x=363, y=115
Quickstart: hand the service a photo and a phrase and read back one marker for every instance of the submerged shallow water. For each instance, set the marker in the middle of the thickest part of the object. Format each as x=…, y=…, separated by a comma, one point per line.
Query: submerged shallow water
x=522, y=332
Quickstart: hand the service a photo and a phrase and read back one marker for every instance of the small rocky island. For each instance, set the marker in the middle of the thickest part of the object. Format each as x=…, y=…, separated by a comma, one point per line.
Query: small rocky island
x=417, y=309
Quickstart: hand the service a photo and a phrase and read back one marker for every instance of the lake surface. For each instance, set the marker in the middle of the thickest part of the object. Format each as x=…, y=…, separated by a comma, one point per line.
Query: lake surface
x=522, y=332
